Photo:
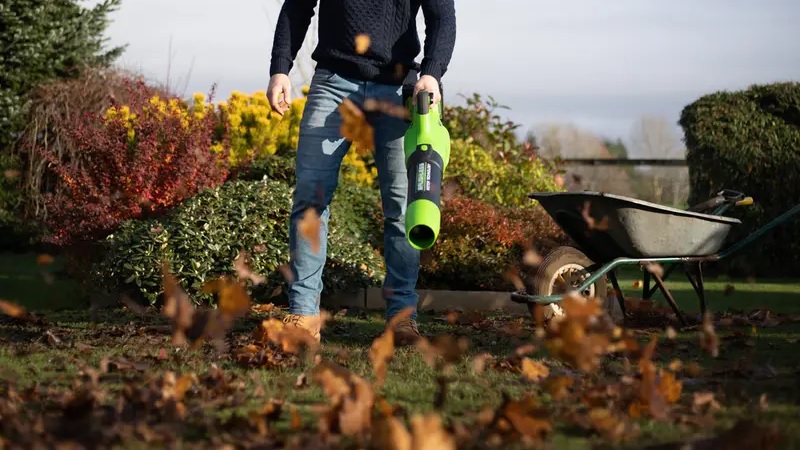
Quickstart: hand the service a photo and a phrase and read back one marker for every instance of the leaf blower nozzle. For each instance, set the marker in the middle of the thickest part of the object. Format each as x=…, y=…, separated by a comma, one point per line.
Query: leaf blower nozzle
x=427, y=152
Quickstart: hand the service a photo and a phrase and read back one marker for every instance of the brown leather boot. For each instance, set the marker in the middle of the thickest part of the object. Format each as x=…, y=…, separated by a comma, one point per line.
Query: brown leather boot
x=406, y=333
x=312, y=324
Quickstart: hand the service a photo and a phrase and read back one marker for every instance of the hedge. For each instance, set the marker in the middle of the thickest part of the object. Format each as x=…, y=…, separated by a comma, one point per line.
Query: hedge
x=749, y=141
x=202, y=237
x=480, y=242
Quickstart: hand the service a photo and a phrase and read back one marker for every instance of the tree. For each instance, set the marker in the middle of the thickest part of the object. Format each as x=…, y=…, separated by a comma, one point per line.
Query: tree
x=41, y=41
x=564, y=140
x=617, y=148
x=655, y=137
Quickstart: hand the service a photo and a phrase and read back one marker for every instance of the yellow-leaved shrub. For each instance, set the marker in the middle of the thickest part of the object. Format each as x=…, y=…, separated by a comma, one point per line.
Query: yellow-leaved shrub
x=254, y=131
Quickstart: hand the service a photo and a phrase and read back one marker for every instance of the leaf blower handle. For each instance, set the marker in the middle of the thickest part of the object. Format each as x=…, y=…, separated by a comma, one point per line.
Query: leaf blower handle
x=424, y=99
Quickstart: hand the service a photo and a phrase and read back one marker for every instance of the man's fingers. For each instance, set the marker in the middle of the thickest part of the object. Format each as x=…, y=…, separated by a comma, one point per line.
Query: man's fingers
x=287, y=94
x=274, y=93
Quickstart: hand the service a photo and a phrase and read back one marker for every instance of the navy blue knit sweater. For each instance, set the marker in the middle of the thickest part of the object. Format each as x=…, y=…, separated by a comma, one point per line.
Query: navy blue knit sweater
x=391, y=26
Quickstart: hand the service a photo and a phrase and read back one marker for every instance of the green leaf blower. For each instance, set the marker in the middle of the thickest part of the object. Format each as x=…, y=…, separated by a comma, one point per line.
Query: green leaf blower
x=427, y=151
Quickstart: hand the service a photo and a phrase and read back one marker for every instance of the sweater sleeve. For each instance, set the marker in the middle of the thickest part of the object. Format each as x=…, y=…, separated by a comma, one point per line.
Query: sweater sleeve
x=290, y=32
x=440, y=36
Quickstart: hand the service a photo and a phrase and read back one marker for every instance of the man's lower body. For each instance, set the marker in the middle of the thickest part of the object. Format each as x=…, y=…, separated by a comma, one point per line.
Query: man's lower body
x=321, y=149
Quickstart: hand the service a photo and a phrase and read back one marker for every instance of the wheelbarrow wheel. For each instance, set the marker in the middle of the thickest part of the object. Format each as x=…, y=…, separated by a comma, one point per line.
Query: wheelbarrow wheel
x=563, y=270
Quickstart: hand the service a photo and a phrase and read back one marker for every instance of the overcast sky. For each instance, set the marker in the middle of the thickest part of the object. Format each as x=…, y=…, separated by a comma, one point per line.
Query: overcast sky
x=598, y=64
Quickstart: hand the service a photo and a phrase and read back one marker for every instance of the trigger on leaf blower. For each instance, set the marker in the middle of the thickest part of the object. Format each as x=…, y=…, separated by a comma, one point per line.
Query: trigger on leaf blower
x=427, y=152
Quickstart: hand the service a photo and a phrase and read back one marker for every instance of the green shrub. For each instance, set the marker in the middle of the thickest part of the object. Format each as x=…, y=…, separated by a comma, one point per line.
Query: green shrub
x=202, y=237
x=357, y=210
x=750, y=141
x=279, y=167
x=41, y=40
x=479, y=242
x=482, y=176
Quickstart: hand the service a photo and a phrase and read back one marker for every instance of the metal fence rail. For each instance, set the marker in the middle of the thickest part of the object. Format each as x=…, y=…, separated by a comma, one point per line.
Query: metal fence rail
x=663, y=181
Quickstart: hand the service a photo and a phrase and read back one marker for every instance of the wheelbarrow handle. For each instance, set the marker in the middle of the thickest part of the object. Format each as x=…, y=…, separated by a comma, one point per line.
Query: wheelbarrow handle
x=723, y=200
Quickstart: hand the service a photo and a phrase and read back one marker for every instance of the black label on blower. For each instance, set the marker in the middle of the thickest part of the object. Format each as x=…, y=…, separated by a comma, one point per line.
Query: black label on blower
x=425, y=174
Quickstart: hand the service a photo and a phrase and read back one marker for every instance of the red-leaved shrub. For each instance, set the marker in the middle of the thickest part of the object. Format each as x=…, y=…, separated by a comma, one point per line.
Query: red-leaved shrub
x=135, y=160
x=479, y=242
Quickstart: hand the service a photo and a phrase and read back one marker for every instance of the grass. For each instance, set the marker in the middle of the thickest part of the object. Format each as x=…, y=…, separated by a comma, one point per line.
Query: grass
x=753, y=362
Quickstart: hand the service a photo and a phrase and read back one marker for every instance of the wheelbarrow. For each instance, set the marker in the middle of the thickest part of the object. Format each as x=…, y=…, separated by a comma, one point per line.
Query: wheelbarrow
x=612, y=231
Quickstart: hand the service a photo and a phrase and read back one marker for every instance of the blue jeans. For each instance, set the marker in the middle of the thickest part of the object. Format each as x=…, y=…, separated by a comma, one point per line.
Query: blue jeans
x=321, y=149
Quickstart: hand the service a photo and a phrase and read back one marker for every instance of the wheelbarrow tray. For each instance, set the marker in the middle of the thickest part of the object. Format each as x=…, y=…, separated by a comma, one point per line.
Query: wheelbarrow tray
x=629, y=228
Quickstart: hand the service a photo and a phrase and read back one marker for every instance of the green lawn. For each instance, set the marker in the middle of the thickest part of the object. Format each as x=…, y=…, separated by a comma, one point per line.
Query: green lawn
x=754, y=377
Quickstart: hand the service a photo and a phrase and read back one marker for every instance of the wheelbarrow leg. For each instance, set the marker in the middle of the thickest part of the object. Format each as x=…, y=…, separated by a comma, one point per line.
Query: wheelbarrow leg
x=652, y=290
x=617, y=291
x=697, y=285
x=670, y=299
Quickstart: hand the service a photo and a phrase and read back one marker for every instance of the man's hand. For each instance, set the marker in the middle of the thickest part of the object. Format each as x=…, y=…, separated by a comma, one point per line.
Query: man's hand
x=427, y=83
x=280, y=84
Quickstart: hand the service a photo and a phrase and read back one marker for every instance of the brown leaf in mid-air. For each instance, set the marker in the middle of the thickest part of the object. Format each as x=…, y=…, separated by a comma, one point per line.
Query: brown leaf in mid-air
x=610, y=425
x=523, y=417
x=558, y=386
x=44, y=259
x=655, y=269
x=243, y=270
x=533, y=370
x=709, y=341
x=355, y=127
x=591, y=222
x=380, y=353
x=531, y=258
x=309, y=228
x=428, y=433
x=512, y=276
x=442, y=351
x=177, y=307
x=362, y=42
x=382, y=349
x=12, y=309
x=233, y=299
x=479, y=362
x=390, y=433
x=351, y=399
x=386, y=107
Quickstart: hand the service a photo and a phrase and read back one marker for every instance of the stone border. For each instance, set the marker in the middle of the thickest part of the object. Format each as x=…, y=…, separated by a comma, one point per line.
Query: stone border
x=433, y=299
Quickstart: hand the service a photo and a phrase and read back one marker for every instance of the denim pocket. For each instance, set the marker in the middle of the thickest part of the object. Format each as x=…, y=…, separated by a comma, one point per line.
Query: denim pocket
x=323, y=75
